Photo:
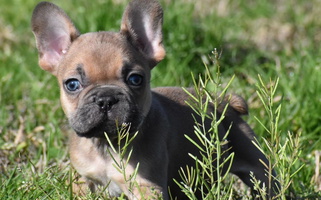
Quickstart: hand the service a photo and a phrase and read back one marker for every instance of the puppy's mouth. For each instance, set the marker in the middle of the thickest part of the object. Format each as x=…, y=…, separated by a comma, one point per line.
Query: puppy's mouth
x=104, y=111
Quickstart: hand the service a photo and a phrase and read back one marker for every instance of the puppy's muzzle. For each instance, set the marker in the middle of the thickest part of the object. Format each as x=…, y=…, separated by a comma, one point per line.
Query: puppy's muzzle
x=102, y=109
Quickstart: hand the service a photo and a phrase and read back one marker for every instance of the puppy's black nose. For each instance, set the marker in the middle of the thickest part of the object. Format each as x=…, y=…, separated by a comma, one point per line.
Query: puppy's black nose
x=106, y=103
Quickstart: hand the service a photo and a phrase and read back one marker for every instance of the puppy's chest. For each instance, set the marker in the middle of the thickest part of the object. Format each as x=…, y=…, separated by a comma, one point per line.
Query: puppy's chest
x=95, y=167
x=91, y=166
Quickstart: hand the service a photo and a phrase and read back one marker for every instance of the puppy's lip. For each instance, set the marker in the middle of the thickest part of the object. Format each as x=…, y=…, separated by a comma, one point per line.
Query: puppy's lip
x=98, y=129
x=85, y=135
x=111, y=135
x=95, y=133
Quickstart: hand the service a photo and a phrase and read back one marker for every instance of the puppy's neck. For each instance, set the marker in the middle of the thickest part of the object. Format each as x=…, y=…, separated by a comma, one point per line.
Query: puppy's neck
x=101, y=145
x=105, y=147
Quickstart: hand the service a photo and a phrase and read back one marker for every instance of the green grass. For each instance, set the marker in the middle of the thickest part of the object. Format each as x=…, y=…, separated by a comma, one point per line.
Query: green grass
x=275, y=39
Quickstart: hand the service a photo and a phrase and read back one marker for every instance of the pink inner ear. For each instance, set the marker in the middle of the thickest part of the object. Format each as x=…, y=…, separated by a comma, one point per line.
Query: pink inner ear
x=59, y=44
x=153, y=46
x=53, y=51
x=51, y=59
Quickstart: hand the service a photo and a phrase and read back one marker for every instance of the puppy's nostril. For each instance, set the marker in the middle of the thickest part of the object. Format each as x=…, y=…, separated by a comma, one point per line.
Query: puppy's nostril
x=101, y=103
x=94, y=99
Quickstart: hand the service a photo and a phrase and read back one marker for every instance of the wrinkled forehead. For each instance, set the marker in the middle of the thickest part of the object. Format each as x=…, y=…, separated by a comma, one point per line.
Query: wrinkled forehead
x=100, y=55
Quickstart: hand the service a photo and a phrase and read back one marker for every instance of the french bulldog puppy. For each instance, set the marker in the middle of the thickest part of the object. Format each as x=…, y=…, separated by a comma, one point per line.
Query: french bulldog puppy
x=104, y=79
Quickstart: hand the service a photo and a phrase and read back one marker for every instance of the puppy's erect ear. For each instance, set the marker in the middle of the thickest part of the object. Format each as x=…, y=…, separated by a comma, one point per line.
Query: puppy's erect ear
x=142, y=24
x=54, y=33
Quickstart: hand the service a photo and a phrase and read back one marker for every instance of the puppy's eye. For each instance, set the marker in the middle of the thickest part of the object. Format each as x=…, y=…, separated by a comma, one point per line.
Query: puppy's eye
x=135, y=80
x=72, y=85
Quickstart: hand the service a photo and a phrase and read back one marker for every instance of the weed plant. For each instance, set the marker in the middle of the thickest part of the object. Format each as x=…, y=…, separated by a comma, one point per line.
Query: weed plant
x=209, y=174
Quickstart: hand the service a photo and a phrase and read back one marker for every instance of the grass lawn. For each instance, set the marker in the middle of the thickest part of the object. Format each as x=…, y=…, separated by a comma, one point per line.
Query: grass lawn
x=275, y=39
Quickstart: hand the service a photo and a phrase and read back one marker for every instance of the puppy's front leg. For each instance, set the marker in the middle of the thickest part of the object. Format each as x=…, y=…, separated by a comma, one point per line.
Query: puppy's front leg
x=146, y=190
x=137, y=179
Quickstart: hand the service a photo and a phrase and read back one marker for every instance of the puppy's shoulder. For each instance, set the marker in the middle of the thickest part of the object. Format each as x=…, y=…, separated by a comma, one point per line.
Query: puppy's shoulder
x=176, y=94
x=236, y=104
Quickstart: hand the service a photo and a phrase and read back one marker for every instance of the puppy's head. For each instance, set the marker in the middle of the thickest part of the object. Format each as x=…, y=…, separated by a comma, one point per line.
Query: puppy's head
x=103, y=76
